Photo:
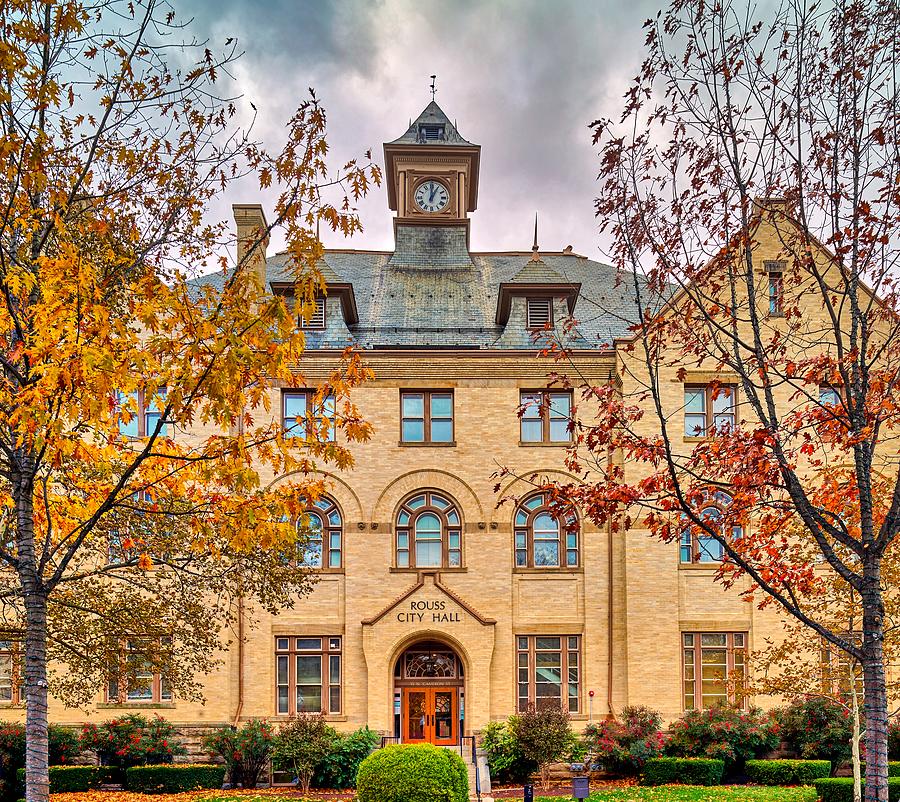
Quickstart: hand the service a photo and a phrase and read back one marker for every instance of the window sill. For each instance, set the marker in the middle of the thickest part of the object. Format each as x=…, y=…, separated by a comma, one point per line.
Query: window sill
x=338, y=717
x=136, y=705
x=404, y=444
x=461, y=569
x=548, y=570
x=699, y=566
x=12, y=705
x=525, y=444
x=691, y=438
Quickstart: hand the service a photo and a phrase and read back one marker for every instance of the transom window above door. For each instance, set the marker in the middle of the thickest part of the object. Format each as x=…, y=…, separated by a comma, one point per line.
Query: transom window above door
x=428, y=532
x=542, y=540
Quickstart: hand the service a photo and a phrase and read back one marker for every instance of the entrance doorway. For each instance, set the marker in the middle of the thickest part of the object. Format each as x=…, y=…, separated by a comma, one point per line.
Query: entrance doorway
x=429, y=716
x=429, y=695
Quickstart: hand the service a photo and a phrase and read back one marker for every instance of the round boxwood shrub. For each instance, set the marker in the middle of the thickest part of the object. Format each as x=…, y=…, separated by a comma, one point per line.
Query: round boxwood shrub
x=421, y=773
x=787, y=772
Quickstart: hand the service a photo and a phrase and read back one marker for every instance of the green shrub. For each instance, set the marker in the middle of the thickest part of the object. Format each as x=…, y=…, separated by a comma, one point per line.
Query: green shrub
x=73, y=779
x=245, y=751
x=623, y=745
x=339, y=767
x=683, y=770
x=724, y=732
x=301, y=743
x=544, y=736
x=893, y=768
x=173, y=779
x=817, y=729
x=505, y=758
x=840, y=789
x=422, y=773
x=787, y=772
x=894, y=739
x=63, y=746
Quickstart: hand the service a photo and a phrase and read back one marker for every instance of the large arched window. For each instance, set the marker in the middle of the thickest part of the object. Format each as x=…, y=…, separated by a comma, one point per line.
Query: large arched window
x=428, y=532
x=697, y=544
x=542, y=540
x=321, y=530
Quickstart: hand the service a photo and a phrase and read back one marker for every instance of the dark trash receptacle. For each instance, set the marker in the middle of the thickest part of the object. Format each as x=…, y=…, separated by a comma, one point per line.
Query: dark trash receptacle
x=528, y=793
x=581, y=787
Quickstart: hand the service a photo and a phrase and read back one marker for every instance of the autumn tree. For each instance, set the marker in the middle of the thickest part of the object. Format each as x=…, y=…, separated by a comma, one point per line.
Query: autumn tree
x=750, y=192
x=138, y=446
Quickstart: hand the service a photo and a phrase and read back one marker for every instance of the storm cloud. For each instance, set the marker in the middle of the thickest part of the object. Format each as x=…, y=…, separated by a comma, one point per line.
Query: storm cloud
x=522, y=79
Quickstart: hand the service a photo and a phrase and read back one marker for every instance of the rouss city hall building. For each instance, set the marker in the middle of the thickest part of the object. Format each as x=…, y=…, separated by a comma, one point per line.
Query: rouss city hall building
x=436, y=610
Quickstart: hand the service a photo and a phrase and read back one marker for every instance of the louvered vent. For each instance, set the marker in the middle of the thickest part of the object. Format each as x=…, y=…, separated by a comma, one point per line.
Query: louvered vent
x=317, y=321
x=539, y=312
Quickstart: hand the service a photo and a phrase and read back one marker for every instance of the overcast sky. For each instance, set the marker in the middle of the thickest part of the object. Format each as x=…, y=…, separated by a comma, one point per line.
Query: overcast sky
x=522, y=78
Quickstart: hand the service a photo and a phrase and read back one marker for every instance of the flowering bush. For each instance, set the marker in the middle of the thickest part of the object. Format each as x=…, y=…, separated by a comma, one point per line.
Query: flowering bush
x=63, y=750
x=728, y=733
x=245, y=751
x=624, y=745
x=818, y=729
x=132, y=740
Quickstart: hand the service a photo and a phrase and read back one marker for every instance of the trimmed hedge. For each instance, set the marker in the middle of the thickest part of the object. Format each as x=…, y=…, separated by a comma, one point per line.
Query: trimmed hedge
x=73, y=779
x=173, y=778
x=787, y=772
x=893, y=768
x=840, y=789
x=420, y=773
x=683, y=770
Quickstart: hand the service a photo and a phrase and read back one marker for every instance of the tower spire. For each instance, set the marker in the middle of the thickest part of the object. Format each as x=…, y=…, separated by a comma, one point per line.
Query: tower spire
x=535, y=254
x=433, y=90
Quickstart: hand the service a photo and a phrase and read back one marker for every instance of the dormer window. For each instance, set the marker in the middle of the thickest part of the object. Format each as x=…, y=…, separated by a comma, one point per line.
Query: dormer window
x=317, y=319
x=431, y=132
x=538, y=313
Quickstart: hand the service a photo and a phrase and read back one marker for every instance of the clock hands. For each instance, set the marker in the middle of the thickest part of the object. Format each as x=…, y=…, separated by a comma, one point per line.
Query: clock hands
x=433, y=190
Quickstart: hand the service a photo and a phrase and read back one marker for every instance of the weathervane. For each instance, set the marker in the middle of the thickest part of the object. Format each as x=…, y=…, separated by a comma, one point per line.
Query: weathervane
x=433, y=90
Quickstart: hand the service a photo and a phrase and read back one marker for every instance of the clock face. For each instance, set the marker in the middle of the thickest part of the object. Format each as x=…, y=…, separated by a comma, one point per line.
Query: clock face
x=431, y=196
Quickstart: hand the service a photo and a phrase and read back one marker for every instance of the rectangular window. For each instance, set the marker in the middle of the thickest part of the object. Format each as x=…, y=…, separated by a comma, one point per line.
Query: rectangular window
x=132, y=674
x=545, y=416
x=548, y=671
x=426, y=416
x=775, y=272
x=308, y=675
x=11, y=690
x=143, y=414
x=829, y=396
x=538, y=312
x=316, y=319
x=709, y=409
x=302, y=413
x=713, y=663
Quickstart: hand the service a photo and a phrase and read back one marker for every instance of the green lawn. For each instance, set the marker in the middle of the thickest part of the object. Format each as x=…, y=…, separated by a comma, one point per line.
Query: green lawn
x=679, y=793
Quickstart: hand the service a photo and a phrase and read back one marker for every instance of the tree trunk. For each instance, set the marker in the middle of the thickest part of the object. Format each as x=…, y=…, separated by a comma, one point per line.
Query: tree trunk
x=875, y=687
x=37, y=775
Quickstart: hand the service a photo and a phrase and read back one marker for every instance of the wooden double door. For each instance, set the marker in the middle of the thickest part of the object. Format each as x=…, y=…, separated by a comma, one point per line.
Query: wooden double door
x=430, y=715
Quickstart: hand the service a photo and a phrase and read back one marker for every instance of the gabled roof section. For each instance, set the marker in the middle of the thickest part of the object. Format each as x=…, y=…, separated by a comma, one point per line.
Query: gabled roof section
x=431, y=117
x=536, y=279
x=334, y=286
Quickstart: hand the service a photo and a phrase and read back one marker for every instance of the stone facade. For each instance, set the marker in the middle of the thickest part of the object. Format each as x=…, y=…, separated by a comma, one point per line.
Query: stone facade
x=432, y=318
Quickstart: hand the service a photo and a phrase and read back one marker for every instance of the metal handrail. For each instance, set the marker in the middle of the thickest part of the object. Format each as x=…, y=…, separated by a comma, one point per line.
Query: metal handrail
x=386, y=739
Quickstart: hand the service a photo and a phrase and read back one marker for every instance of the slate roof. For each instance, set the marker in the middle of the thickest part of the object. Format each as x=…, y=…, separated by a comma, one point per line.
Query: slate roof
x=433, y=115
x=431, y=293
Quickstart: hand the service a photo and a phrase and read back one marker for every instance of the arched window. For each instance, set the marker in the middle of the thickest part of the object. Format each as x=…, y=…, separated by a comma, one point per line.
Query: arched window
x=697, y=544
x=321, y=530
x=543, y=541
x=428, y=532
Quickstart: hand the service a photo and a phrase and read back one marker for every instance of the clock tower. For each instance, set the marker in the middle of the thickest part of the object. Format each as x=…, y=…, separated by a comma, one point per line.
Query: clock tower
x=432, y=173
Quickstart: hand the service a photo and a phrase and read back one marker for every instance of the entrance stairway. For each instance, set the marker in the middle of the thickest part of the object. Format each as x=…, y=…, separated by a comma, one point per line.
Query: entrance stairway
x=484, y=774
